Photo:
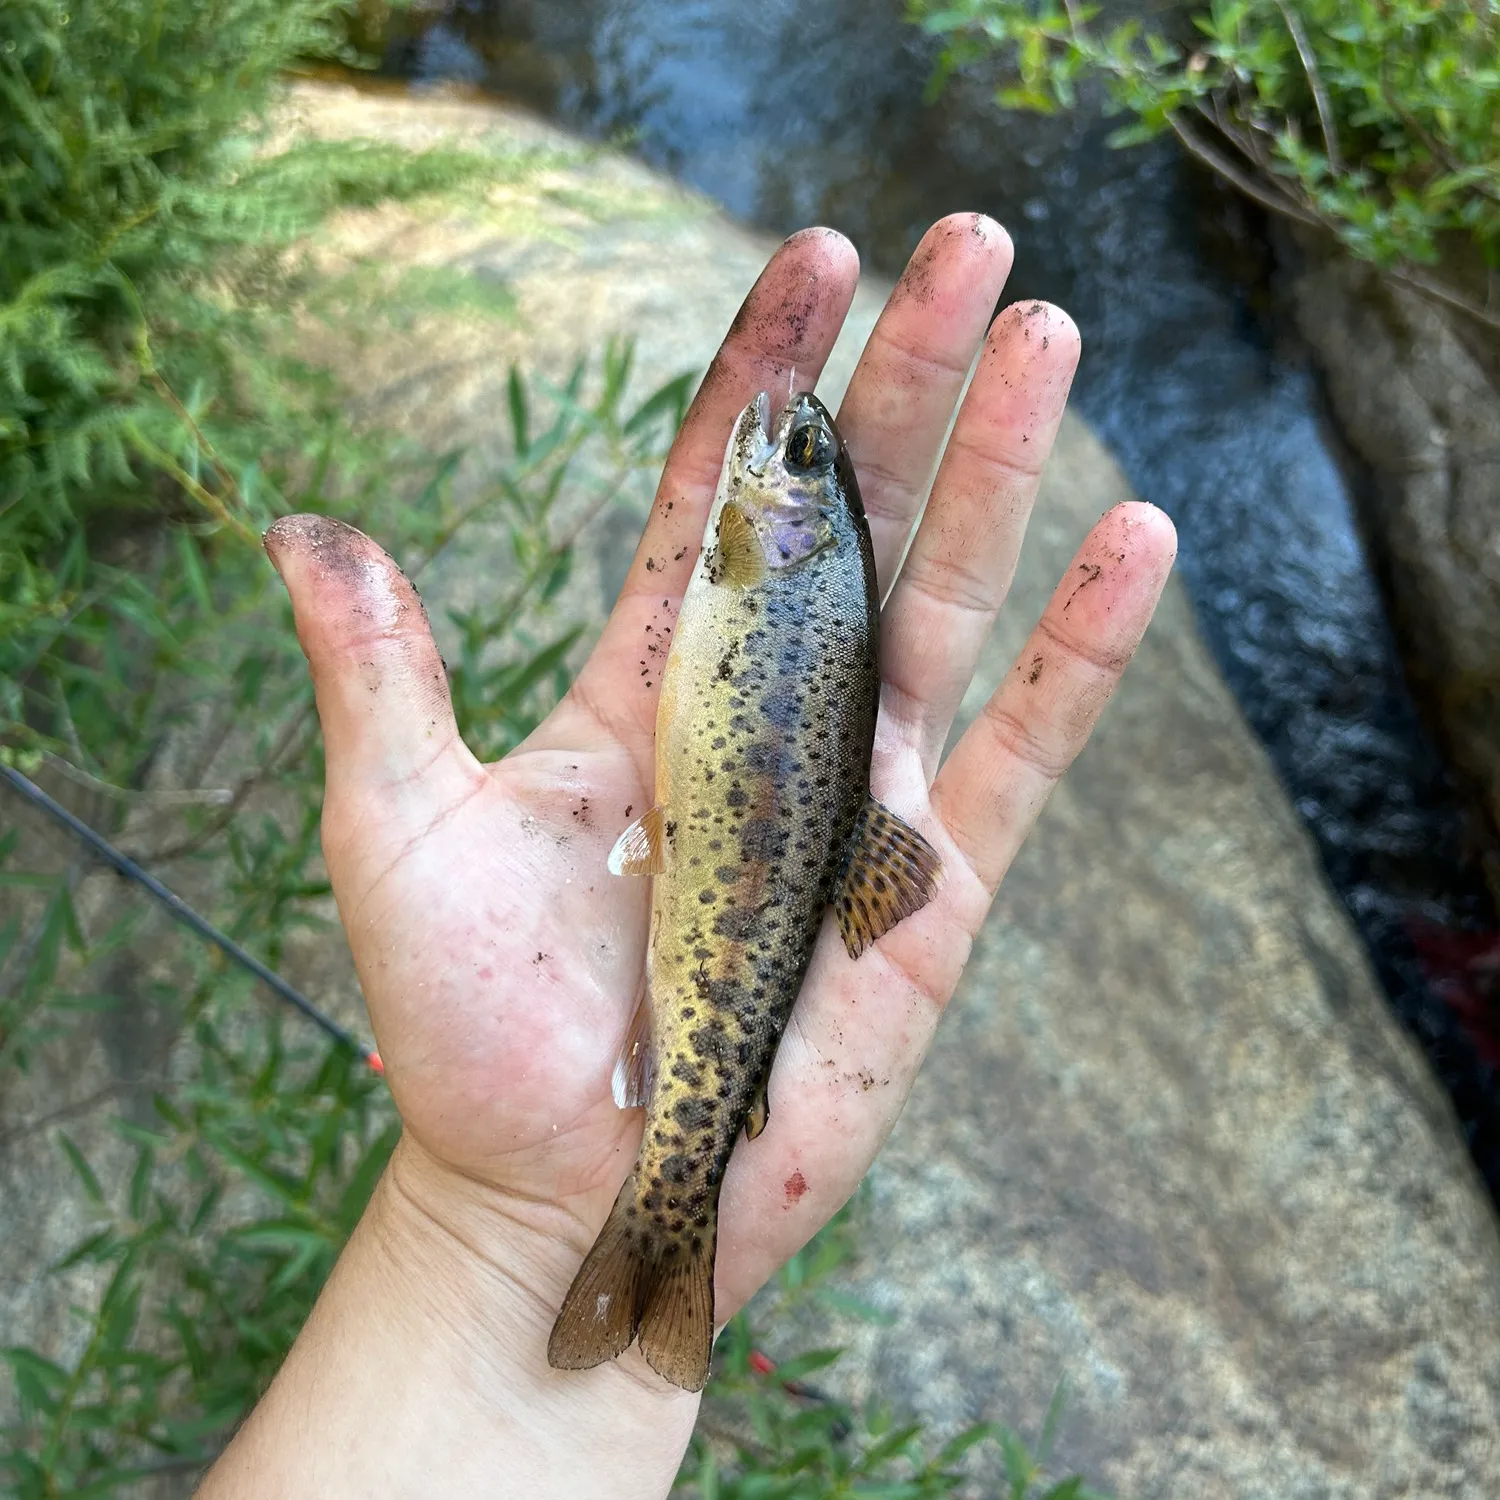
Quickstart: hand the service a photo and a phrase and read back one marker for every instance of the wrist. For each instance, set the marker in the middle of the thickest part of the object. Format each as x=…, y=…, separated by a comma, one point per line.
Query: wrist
x=423, y=1368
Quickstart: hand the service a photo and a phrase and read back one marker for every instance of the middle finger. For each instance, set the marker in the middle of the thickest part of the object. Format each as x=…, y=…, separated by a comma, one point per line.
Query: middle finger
x=964, y=554
x=901, y=398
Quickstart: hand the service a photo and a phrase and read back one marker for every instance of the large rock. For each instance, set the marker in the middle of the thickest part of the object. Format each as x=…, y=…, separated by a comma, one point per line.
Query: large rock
x=1169, y=1144
x=1416, y=389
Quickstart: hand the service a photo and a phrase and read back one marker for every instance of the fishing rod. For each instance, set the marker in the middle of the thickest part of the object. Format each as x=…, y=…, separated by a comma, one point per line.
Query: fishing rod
x=188, y=917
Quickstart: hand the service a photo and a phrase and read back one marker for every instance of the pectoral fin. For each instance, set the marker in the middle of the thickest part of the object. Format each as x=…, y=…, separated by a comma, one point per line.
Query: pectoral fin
x=641, y=849
x=737, y=558
x=892, y=872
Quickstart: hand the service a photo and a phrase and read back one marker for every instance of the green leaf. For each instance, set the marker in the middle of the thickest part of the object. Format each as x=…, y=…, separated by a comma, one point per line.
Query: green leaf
x=87, y=1248
x=140, y=1183
x=82, y=1170
x=40, y=1374
x=515, y=395
x=955, y=1448
x=803, y=1365
x=192, y=568
x=854, y=1307
x=362, y=1180
x=1019, y=1468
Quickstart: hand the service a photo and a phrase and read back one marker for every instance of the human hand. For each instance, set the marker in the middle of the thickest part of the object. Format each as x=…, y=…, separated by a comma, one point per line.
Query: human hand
x=501, y=962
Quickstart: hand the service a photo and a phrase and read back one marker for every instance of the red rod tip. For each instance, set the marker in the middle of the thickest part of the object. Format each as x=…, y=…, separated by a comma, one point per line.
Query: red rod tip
x=376, y=1065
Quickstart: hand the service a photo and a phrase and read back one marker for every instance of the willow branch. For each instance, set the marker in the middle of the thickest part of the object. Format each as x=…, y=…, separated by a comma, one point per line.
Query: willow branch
x=1429, y=286
x=1263, y=194
x=165, y=797
x=1409, y=276
x=1315, y=83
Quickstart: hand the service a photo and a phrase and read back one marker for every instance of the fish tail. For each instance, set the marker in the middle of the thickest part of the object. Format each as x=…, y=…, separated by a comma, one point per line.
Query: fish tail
x=636, y=1282
x=677, y=1318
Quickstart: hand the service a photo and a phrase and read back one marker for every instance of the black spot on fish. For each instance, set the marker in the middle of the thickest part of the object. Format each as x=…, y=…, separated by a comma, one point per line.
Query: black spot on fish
x=760, y=839
x=684, y=1070
x=736, y=797
x=692, y=1114
x=735, y=923
x=726, y=994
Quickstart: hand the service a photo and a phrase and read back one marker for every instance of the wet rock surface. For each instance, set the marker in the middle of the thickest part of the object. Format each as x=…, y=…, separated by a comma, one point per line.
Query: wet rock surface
x=1198, y=380
x=1417, y=391
x=1169, y=1144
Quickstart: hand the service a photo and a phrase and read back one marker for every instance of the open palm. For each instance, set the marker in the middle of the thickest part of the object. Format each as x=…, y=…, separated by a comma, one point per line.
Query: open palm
x=501, y=962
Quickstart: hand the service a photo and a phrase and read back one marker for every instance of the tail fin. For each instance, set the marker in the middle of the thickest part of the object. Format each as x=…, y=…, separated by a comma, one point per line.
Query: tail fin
x=633, y=1282
x=677, y=1321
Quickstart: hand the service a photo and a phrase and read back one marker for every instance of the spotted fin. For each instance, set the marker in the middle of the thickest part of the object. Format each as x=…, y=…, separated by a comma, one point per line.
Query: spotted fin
x=892, y=872
x=634, y=1067
x=737, y=558
x=760, y=1112
x=636, y=1282
x=642, y=848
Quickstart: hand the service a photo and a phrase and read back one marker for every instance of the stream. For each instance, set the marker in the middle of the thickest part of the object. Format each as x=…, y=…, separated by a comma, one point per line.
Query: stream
x=792, y=114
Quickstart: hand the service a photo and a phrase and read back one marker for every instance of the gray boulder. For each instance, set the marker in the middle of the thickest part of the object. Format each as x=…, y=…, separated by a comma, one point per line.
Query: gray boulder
x=1416, y=390
x=1169, y=1144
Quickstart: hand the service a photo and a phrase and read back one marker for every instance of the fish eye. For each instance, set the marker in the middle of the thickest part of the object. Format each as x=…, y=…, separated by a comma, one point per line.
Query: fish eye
x=809, y=446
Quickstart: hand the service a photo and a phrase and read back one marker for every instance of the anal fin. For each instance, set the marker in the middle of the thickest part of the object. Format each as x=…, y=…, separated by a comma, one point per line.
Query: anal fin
x=634, y=1066
x=892, y=872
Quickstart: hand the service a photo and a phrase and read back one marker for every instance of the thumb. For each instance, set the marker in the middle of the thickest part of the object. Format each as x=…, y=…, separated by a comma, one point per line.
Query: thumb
x=382, y=692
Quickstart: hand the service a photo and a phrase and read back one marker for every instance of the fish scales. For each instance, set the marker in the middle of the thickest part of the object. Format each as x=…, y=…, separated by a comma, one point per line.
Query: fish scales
x=765, y=730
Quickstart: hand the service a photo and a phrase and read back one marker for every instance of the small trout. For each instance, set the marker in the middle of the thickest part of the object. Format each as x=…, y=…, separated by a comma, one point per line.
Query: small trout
x=763, y=819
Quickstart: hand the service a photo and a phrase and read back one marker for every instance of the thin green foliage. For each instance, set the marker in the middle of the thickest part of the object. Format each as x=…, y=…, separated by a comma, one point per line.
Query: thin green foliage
x=266, y=1148
x=768, y=1432
x=1377, y=120
x=153, y=420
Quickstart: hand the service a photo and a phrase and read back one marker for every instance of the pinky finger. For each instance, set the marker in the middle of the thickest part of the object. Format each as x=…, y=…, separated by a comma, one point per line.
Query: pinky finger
x=995, y=782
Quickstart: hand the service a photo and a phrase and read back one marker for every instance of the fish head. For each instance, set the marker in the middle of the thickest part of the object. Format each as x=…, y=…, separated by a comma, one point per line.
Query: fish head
x=787, y=467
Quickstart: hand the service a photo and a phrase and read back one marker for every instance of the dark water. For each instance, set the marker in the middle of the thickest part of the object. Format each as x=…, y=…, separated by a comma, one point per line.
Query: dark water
x=793, y=114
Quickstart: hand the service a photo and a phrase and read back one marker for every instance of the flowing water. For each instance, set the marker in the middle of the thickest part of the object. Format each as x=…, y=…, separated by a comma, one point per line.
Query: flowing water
x=792, y=114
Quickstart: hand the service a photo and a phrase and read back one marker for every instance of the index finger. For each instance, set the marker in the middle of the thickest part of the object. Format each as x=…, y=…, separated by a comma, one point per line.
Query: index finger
x=787, y=323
